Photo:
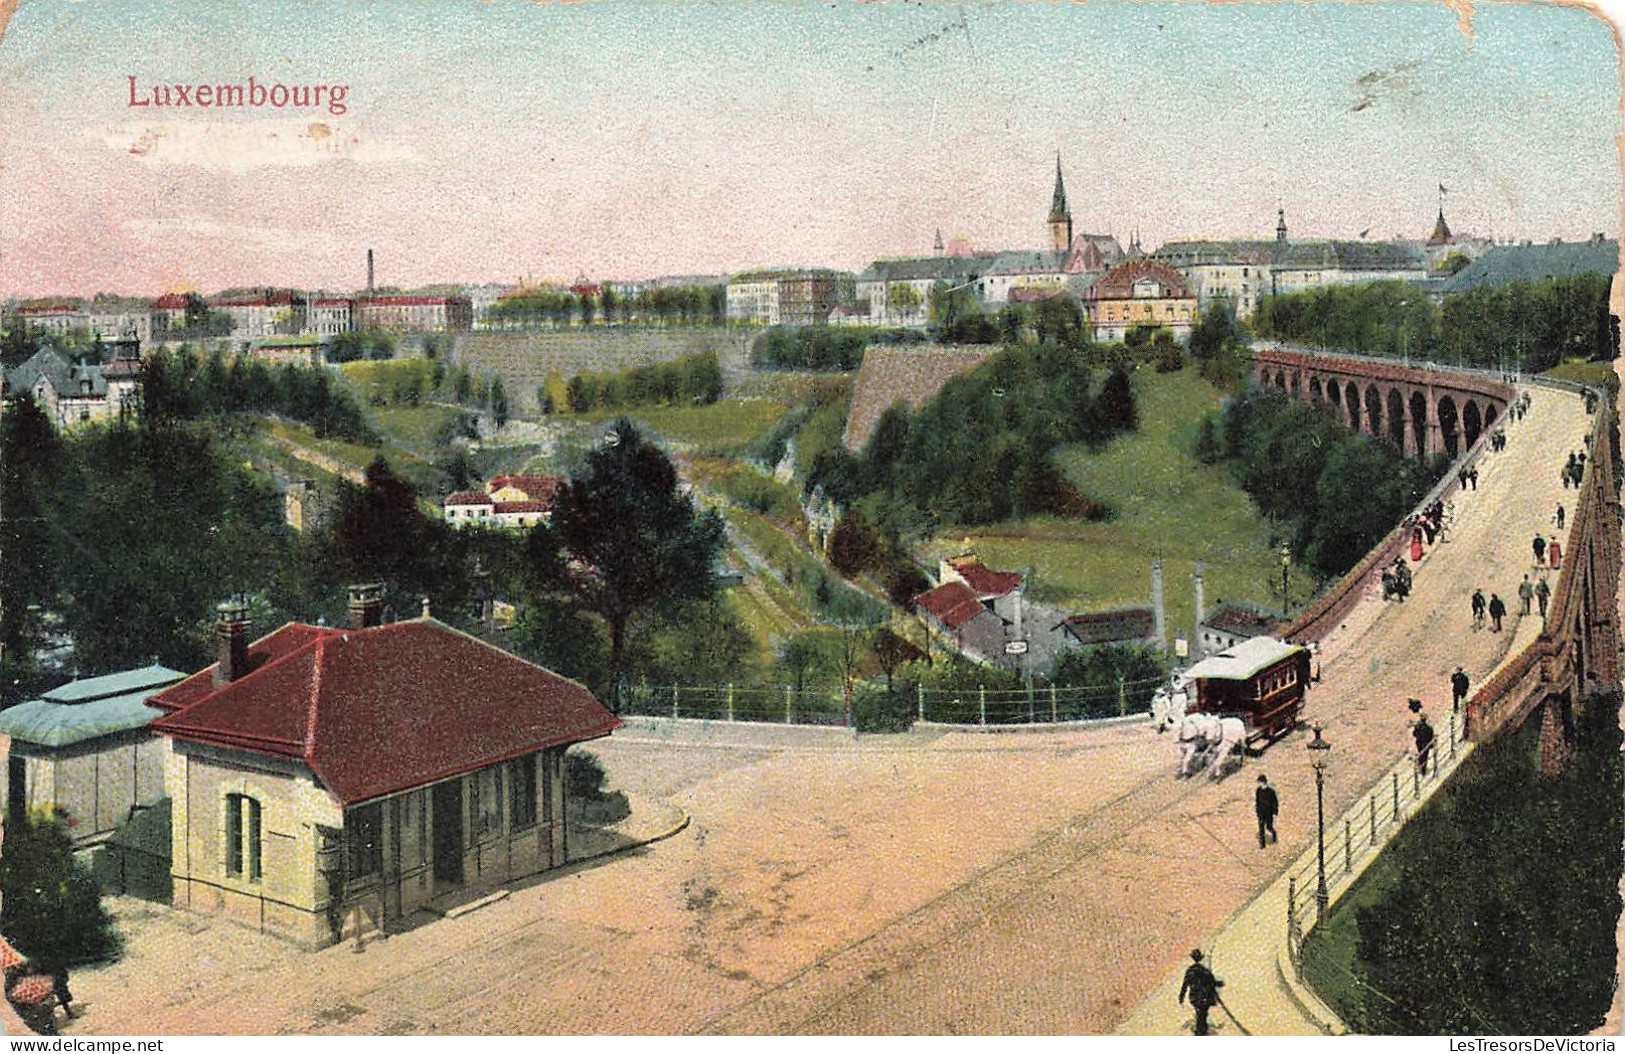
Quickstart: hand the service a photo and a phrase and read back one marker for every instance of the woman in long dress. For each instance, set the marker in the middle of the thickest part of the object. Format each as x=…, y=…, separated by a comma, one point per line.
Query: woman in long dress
x=1416, y=544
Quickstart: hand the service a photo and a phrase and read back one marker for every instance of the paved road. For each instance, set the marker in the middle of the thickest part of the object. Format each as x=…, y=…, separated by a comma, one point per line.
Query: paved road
x=1037, y=883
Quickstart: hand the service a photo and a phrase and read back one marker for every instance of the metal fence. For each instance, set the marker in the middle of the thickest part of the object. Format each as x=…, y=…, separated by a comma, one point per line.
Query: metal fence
x=973, y=705
x=1363, y=830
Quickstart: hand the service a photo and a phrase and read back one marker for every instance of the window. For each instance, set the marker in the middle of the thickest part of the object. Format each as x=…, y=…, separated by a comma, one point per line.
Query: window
x=523, y=790
x=364, y=828
x=243, y=858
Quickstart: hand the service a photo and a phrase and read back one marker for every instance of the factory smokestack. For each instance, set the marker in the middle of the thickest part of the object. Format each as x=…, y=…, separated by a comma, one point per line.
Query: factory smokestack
x=1197, y=650
x=1159, y=625
x=369, y=270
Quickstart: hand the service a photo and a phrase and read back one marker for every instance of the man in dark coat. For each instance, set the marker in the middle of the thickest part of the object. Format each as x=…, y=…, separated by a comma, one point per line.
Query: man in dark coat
x=1266, y=804
x=1458, y=688
x=1543, y=593
x=1423, y=733
x=1478, y=608
x=1203, y=988
x=1539, y=545
x=1498, y=610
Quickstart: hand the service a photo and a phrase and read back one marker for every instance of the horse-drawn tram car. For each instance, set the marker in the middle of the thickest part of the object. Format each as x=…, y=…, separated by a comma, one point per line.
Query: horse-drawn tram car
x=1261, y=681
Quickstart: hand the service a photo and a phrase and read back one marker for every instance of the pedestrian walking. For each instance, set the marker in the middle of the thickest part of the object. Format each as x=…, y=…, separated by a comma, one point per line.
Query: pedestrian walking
x=1472, y=476
x=1498, y=610
x=1554, y=553
x=1266, y=804
x=1429, y=529
x=1458, y=688
x=59, y=987
x=1461, y=478
x=1526, y=594
x=1478, y=608
x=1560, y=517
x=1202, y=987
x=1539, y=545
x=1416, y=544
x=1543, y=593
x=1422, y=732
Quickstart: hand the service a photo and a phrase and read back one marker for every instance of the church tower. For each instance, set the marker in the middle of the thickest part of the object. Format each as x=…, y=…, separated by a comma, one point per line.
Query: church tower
x=1280, y=225
x=1060, y=217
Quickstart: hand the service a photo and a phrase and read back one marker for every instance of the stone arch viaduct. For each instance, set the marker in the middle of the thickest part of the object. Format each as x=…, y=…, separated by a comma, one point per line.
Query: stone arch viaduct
x=1420, y=410
x=1452, y=411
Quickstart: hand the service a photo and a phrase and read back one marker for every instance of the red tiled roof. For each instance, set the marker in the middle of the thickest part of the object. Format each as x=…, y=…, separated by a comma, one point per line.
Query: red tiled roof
x=407, y=301
x=469, y=497
x=1232, y=618
x=331, y=301
x=521, y=506
x=262, y=652
x=1105, y=627
x=1118, y=282
x=170, y=302
x=986, y=582
x=536, y=488
x=47, y=309
x=952, y=603
x=378, y=711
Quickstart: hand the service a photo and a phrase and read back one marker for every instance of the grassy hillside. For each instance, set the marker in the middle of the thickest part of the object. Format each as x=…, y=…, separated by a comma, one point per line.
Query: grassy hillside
x=1166, y=502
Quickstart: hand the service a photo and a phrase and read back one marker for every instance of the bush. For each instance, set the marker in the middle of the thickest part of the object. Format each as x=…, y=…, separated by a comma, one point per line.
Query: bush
x=52, y=909
x=874, y=709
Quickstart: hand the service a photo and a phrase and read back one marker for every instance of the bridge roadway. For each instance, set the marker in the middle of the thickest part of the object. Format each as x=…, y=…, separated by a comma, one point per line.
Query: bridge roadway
x=928, y=883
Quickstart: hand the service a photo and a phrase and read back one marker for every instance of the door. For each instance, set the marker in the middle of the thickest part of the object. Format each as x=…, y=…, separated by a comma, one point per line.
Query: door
x=16, y=788
x=448, y=832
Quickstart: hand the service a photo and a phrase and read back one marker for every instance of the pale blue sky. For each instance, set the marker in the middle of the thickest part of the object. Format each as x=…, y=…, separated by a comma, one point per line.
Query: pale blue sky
x=489, y=140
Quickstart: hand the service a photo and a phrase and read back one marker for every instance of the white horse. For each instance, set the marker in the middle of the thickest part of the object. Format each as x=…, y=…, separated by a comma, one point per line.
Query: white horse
x=1211, y=738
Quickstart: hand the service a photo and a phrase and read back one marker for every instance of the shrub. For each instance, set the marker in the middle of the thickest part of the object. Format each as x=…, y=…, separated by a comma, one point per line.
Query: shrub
x=874, y=709
x=53, y=908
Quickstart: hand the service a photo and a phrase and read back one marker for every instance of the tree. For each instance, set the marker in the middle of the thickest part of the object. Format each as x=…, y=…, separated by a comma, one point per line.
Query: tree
x=589, y=308
x=52, y=906
x=623, y=539
x=803, y=654
x=499, y=402
x=891, y=651
x=1116, y=402
x=31, y=464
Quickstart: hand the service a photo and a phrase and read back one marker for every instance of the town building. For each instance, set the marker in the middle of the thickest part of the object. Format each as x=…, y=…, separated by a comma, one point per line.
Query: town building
x=1232, y=622
x=1528, y=262
x=120, y=319
x=782, y=297
x=75, y=393
x=54, y=316
x=325, y=781
x=413, y=313
x=167, y=312
x=330, y=315
x=1122, y=626
x=521, y=501
x=1140, y=292
x=84, y=753
x=305, y=349
x=980, y=610
x=260, y=314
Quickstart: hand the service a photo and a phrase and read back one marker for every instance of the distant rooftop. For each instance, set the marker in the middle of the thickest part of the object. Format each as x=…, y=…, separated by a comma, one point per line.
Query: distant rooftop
x=1503, y=264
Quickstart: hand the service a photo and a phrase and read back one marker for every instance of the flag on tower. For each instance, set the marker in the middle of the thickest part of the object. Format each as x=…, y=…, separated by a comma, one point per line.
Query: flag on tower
x=1442, y=190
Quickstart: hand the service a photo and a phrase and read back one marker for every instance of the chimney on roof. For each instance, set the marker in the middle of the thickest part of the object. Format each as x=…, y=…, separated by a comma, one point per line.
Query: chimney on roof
x=231, y=641
x=366, y=605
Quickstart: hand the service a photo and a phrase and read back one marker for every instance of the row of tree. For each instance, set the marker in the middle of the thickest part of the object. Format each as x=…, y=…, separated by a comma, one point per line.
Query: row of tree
x=1333, y=494
x=823, y=347
x=1527, y=325
x=689, y=380
x=534, y=308
x=182, y=385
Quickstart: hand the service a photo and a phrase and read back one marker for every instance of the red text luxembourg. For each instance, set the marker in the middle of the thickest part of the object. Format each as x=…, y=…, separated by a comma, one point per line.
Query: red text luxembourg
x=252, y=93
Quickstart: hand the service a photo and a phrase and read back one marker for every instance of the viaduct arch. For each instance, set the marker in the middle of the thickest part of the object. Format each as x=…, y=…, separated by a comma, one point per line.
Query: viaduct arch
x=1424, y=411
x=1421, y=411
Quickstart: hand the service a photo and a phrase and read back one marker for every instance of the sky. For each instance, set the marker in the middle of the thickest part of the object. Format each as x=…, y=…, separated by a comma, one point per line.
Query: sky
x=485, y=141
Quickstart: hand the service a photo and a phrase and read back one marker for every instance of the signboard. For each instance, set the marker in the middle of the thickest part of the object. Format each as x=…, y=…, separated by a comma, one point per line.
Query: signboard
x=1182, y=647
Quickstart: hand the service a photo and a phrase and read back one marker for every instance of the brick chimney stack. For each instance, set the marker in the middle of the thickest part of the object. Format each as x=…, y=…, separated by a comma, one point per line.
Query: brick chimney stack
x=369, y=270
x=366, y=605
x=231, y=642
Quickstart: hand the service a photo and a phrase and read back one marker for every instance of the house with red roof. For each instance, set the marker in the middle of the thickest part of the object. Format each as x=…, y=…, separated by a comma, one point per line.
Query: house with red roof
x=1140, y=292
x=508, y=501
x=322, y=777
x=976, y=607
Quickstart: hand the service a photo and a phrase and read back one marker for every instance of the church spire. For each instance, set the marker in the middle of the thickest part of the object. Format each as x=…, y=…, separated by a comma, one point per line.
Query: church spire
x=1060, y=217
x=938, y=245
x=1441, y=231
x=1280, y=225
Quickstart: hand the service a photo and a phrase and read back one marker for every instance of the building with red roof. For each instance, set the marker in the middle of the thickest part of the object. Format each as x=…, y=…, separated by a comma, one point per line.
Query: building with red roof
x=317, y=771
x=507, y=501
x=412, y=312
x=1141, y=291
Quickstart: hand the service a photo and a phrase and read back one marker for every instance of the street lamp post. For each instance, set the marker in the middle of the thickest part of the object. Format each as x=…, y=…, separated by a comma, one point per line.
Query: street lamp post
x=1286, y=567
x=1322, y=897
